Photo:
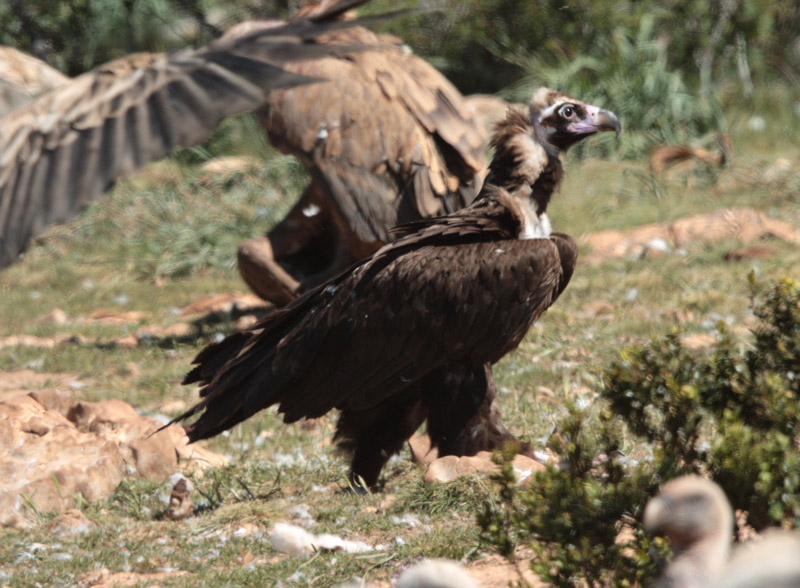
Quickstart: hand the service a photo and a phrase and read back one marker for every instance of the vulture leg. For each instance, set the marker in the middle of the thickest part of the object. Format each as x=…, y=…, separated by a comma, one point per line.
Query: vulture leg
x=375, y=434
x=309, y=246
x=464, y=415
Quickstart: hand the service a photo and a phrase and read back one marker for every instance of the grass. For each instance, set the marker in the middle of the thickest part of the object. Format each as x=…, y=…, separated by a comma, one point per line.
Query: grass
x=168, y=237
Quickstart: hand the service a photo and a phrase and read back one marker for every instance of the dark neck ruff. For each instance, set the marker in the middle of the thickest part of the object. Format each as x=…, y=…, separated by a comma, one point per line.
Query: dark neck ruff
x=507, y=170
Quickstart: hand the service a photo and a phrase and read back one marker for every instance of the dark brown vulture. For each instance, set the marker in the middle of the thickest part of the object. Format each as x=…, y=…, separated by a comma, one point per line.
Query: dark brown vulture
x=387, y=140
x=695, y=515
x=67, y=147
x=411, y=332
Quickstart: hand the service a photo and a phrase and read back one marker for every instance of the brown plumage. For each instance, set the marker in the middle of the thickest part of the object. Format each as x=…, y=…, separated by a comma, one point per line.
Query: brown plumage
x=387, y=140
x=695, y=515
x=411, y=332
x=23, y=78
x=68, y=147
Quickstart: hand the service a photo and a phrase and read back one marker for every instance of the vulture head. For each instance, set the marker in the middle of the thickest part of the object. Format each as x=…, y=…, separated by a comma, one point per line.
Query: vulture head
x=565, y=121
x=695, y=515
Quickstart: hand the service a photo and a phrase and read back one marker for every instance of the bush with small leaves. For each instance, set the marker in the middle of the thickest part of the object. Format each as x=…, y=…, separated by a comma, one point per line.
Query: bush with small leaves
x=729, y=414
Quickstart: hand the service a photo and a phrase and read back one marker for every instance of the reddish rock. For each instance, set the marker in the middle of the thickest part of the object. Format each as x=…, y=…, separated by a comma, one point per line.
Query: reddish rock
x=448, y=468
x=739, y=224
x=223, y=303
x=49, y=463
x=421, y=452
x=85, y=414
x=54, y=317
x=174, y=331
x=70, y=522
x=697, y=341
x=103, y=316
x=748, y=254
x=52, y=458
x=53, y=399
x=597, y=308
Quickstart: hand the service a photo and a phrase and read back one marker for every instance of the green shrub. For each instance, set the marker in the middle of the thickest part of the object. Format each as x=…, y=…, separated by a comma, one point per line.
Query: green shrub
x=731, y=414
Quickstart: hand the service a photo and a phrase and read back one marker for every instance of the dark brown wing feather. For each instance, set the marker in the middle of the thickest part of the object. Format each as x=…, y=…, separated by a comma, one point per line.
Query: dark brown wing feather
x=68, y=147
x=457, y=288
x=389, y=138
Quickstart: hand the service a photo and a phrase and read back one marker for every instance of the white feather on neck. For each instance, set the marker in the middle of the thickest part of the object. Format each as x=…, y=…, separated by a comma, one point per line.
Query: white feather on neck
x=535, y=226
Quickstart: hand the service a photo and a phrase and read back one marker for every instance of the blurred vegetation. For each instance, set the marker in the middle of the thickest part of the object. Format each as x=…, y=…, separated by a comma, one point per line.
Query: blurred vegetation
x=730, y=414
x=662, y=66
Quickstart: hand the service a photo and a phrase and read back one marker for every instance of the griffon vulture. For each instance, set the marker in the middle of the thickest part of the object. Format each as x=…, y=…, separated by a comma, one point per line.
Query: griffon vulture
x=411, y=332
x=695, y=515
x=387, y=140
x=67, y=147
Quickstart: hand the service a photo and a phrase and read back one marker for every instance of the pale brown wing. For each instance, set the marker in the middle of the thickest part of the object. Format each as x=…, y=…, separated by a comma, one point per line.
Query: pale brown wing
x=23, y=78
x=389, y=138
x=69, y=146
x=373, y=331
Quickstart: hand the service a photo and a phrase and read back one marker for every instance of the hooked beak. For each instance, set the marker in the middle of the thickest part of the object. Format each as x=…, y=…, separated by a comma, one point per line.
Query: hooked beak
x=597, y=120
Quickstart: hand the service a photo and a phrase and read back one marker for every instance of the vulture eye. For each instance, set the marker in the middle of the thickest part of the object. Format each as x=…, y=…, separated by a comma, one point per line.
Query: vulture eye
x=567, y=111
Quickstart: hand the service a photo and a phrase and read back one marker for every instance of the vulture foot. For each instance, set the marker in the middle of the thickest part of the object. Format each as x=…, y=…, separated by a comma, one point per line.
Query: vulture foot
x=464, y=415
x=263, y=274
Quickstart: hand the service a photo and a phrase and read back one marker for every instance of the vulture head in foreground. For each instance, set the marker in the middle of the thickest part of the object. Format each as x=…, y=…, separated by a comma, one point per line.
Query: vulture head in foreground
x=695, y=515
x=410, y=333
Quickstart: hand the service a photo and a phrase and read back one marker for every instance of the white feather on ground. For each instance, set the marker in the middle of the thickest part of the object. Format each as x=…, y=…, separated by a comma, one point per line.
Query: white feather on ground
x=436, y=573
x=295, y=540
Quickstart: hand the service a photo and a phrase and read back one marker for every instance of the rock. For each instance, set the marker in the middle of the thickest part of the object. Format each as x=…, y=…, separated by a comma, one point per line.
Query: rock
x=748, y=254
x=655, y=249
x=53, y=399
x=698, y=341
x=154, y=456
x=740, y=224
x=45, y=470
x=421, y=452
x=448, y=468
x=174, y=331
x=525, y=467
x=85, y=414
x=193, y=457
x=126, y=342
x=597, y=308
x=103, y=316
x=103, y=578
x=31, y=380
x=223, y=303
x=59, y=450
x=55, y=317
x=70, y=522
x=245, y=322
x=231, y=164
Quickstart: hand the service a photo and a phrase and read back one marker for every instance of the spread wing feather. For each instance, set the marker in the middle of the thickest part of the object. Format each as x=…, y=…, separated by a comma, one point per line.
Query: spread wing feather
x=389, y=137
x=382, y=325
x=69, y=146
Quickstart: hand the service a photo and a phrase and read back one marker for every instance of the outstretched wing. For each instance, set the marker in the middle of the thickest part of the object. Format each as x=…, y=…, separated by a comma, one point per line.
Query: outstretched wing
x=375, y=330
x=23, y=78
x=68, y=147
x=389, y=138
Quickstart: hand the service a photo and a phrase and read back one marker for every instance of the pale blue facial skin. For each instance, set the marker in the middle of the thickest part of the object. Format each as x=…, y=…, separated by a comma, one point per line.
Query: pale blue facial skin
x=597, y=119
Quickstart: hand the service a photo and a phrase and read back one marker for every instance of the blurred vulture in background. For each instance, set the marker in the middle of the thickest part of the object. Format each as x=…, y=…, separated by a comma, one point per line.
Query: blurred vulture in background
x=23, y=78
x=696, y=517
x=386, y=138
